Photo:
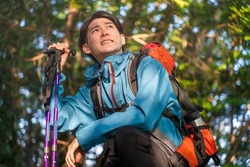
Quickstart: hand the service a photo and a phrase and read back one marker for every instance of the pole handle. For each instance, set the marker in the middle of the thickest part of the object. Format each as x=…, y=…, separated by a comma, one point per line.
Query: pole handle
x=52, y=50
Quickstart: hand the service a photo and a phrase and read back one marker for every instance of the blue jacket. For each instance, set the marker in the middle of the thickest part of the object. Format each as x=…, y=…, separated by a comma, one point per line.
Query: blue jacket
x=76, y=113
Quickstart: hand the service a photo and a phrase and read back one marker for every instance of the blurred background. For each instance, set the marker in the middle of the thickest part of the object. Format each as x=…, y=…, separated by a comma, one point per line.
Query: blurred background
x=209, y=39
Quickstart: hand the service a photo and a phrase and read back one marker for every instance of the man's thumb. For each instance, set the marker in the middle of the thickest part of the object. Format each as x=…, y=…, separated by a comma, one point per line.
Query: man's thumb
x=79, y=155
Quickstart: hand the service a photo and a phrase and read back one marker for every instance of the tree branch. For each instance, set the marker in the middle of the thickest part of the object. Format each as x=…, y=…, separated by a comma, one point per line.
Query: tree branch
x=141, y=38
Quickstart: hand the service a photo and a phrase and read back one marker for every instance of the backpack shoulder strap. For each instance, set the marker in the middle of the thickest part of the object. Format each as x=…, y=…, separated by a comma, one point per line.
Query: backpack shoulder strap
x=132, y=69
x=95, y=92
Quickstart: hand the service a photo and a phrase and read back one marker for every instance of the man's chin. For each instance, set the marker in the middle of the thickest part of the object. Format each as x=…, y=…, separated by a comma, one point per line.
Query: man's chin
x=109, y=52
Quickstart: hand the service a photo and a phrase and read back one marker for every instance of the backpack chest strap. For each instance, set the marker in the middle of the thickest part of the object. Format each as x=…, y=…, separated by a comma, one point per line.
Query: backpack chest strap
x=96, y=93
x=96, y=96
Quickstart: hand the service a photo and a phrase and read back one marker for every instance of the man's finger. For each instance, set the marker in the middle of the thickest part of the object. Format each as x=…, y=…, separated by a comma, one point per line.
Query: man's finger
x=70, y=160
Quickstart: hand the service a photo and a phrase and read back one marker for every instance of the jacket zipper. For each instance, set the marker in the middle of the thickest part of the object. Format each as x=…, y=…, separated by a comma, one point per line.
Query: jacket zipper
x=112, y=76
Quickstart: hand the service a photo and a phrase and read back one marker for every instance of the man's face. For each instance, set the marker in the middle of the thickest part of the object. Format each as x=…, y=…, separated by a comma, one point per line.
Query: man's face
x=103, y=39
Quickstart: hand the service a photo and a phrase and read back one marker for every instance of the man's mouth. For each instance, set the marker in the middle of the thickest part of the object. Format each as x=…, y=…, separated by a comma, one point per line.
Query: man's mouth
x=106, y=41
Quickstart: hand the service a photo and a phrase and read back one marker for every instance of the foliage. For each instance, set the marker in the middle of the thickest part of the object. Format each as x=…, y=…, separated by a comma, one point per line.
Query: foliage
x=208, y=38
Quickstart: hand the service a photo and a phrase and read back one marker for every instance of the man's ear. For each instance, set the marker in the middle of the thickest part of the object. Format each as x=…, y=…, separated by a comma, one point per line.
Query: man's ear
x=123, y=39
x=86, y=49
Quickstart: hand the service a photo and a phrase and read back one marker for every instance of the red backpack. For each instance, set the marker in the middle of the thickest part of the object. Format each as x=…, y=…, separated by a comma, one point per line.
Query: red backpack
x=157, y=51
x=198, y=144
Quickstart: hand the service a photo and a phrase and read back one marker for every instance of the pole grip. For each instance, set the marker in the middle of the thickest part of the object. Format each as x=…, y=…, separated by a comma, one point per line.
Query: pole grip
x=52, y=50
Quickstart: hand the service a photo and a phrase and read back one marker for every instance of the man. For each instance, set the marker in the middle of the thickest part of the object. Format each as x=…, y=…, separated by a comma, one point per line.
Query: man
x=141, y=135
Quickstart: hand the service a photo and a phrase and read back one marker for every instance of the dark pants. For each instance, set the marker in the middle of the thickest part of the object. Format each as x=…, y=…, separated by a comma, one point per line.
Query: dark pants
x=135, y=148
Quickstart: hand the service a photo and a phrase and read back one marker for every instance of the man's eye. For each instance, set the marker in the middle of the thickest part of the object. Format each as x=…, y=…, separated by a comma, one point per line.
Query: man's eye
x=110, y=26
x=94, y=30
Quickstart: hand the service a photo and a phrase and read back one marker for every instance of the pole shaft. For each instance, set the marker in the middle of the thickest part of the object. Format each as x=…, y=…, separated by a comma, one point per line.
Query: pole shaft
x=46, y=141
x=54, y=138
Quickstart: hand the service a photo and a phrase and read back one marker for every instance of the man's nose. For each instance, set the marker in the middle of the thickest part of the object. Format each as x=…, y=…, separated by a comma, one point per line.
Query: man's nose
x=105, y=32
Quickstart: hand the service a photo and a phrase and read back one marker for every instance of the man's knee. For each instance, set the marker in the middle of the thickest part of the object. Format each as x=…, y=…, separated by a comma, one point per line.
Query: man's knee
x=131, y=137
x=124, y=134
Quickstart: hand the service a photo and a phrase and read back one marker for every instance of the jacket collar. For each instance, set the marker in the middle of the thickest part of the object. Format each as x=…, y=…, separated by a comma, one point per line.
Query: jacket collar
x=118, y=61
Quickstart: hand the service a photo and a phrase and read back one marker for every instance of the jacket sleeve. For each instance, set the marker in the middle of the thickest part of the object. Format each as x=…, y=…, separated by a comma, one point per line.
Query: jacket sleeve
x=154, y=95
x=73, y=111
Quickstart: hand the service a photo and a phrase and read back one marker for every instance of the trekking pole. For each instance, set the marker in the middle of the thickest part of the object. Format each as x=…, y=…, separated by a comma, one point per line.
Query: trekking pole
x=54, y=138
x=52, y=72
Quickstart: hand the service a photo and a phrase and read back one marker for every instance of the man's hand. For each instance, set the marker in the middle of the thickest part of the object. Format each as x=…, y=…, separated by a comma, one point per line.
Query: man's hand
x=65, y=49
x=74, y=153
